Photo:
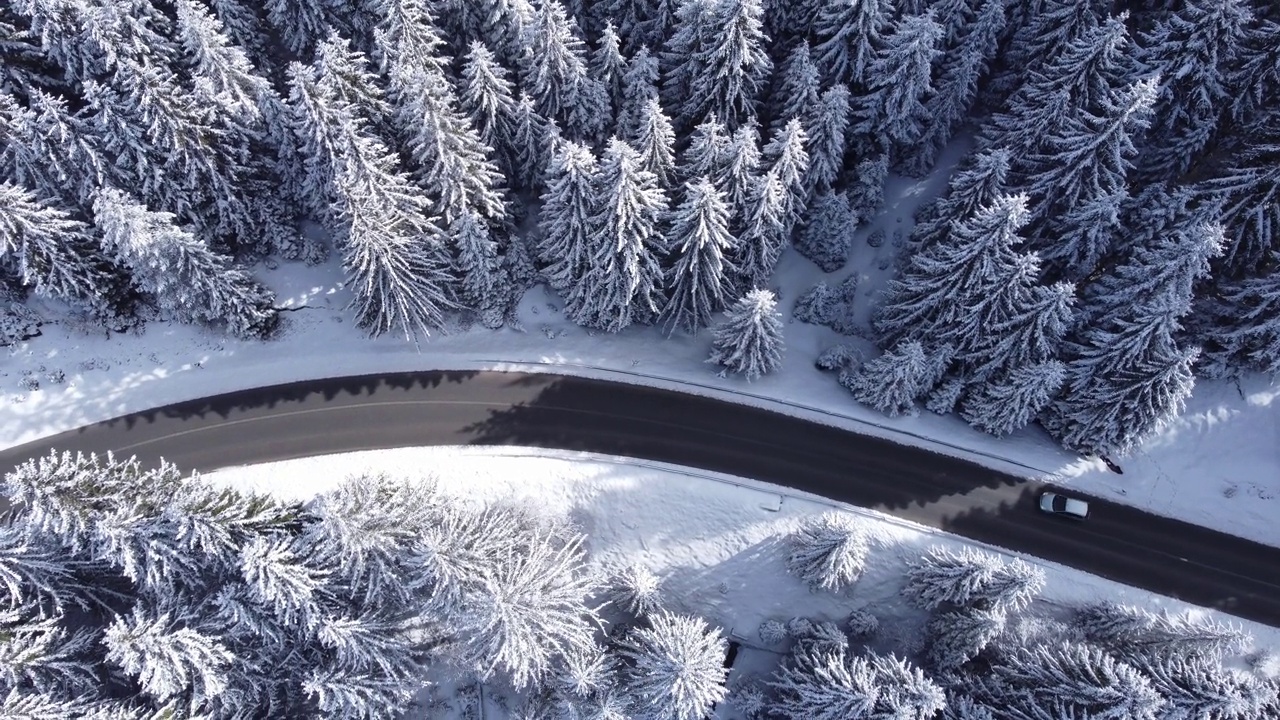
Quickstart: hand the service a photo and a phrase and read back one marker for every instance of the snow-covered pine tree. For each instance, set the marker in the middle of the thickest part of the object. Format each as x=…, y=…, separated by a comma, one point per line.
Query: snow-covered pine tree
x=1196, y=688
x=692, y=34
x=655, y=141
x=957, y=85
x=169, y=661
x=1028, y=333
x=827, y=234
x=698, y=281
x=486, y=288
x=892, y=382
x=245, y=25
x=636, y=590
x=608, y=66
x=849, y=34
x=639, y=84
x=1009, y=402
x=749, y=339
x=834, y=684
x=675, y=667
x=300, y=24
x=1134, y=632
x=975, y=185
x=181, y=273
x=50, y=151
x=1255, y=77
x=1247, y=184
x=828, y=552
x=943, y=577
x=51, y=251
x=623, y=282
x=786, y=156
x=343, y=73
x=739, y=172
x=1193, y=48
x=729, y=72
x=827, y=127
x=555, y=72
x=1245, y=332
x=706, y=153
x=487, y=96
x=565, y=219
x=816, y=305
x=899, y=78
x=1073, y=678
x=88, y=40
x=958, y=636
x=796, y=88
x=763, y=236
x=534, y=141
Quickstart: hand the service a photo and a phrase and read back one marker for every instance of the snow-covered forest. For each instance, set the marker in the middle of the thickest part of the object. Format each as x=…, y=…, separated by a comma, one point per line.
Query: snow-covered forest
x=1108, y=236
x=128, y=592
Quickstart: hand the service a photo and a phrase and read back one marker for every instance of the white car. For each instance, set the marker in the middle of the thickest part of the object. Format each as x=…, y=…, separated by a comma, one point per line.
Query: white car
x=1056, y=504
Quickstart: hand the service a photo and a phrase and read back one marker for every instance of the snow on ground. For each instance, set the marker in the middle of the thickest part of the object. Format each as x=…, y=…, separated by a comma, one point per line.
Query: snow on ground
x=715, y=542
x=1218, y=466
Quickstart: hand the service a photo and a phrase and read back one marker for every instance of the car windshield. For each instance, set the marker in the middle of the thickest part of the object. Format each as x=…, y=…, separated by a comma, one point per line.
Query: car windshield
x=1059, y=504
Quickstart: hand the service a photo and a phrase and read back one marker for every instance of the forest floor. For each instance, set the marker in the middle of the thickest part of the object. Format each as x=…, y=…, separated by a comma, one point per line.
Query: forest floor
x=717, y=544
x=1217, y=466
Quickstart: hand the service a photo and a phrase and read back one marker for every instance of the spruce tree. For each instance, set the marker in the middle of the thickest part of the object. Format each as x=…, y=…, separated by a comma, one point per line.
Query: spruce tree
x=533, y=140
x=624, y=281
x=675, y=667
x=565, y=221
x=698, y=281
x=485, y=286
x=555, y=71
x=849, y=33
x=892, y=382
x=826, y=129
x=728, y=72
x=180, y=272
x=828, y=552
x=785, y=155
x=739, y=172
x=607, y=64
x=976, y=184
x=899, y=80
x=828, y=231
x=763, y=236
x=655, y=141
x=796, y=88
x=51, y=251
x=49, y=150
x=749, y=339
x=639, y=83
x=1009, y=402
x=487, y=97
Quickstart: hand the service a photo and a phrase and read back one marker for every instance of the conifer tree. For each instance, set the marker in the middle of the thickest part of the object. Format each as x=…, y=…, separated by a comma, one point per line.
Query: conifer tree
x=1256, y=76
x=786, y=156
x=244, y=24
x=344, y=73
x=826, y=129
x=50, y=151
x=300, y=24
x=899, y=79
x=555, y=71
x=796, y=88
x=624, y=281
x=1247, y=185
x=1008, y=403
x=565, y=221
x=678, y=59
x=676, y=667
x=1192, y=48
x=739, y=172
x=730, y=69
x=1245, y=329
x=828, y=231
x=50, y=250
x=179, y=271
x=533, y=142
x=763, y=236
x=749, y=339
x=487, y=97
x=706, y=153
x=825, y=683
x=655, y=141
x=1074, y=678
x=639, y=84
x=892, y=382
x=698, y=281
x=976, y=184
x=849, y=33
x=828, y=552
x=485, y=287
x=607, y=64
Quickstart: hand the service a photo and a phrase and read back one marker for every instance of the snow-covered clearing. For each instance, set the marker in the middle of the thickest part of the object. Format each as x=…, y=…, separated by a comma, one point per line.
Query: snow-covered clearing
x=715, y=542
x=1218, y=466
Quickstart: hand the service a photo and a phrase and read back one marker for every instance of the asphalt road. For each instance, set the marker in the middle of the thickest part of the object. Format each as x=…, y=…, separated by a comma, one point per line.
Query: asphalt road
x=487, y=408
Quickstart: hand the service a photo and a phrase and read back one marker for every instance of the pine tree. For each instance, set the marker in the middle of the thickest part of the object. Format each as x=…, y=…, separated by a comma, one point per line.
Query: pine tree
x=637, y=590
x=749, y=339
x=763, y=236
x=1024, y=334
x=957, y=85
x=485, y=286
x=655, y=141
x=728, y=72
x=826, y=129
x=1010, y=402
x=624, y=282
x=834, y=684
x=607, y=64
x=639, y=85
x=828, y=231
x=893, y=381
x=849, y=33
x=1245, y=333
x=555, y=71
x=487, y=96
x=565, y=220
x=169, y=661
x=975, y=185
x=1076, y=678
x=958, y=636
x=943, y=577
x=1256, y=75
x=1192, y=49
x=796, y=89
x=676, y=667
x=1134, y=633
x=707, y=151
x=738, y=173
x=698, y=281
x=179, y=271
x=50, y=151
x=344, y=74
x=828, y=552
x=1247, y=184
x=51, y=251
x=786, y=156
x=534, y=141
x=694, y=32
x=899, y=80
x=300, y=24
x=1196, y=688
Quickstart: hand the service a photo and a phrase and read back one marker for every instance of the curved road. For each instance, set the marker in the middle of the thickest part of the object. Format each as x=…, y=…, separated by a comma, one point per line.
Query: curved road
x=1119, y=542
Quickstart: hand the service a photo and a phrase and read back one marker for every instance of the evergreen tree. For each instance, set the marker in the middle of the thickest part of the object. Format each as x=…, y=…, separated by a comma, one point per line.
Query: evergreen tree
x=300, y=24
x=1193, y=49
x=555, y=70
x=849, y=34
x=47, y=149
x=1248, y=184
x=1026, y=333
x=1255, y=77
x=565, y=221
x=728, y=73
x=532, y=141
x=958, y=636
x=485, y=287
x=893, y=381
x=607, y=64
x=487, y=97
x=624, y=282
x=676, y=667
x=1195, y=688
x=975, y=185
x=828, y=231
x=826, y=129
x=655, y=141
x=796, y=88
x=343, y=73
x=1134, y=633
x=1075, y=678
x=899, y=80
x=1245, y=329
x=957, y=85
x=828, y=552
x=698, y=281
x=680, y=54
x=243, y=24
x=50, y=250
x=739, y=172
x=179, y=271
x=785, y=155
x=749, y=339
x=639, y=85
x=834, y=684
x=706, y=154
x=1010, y=402
x=169, y=661
x=637, y=590
x=762, y=239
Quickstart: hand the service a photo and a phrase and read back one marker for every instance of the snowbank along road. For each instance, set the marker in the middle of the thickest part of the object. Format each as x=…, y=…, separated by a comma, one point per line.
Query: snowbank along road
x=303, y=419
